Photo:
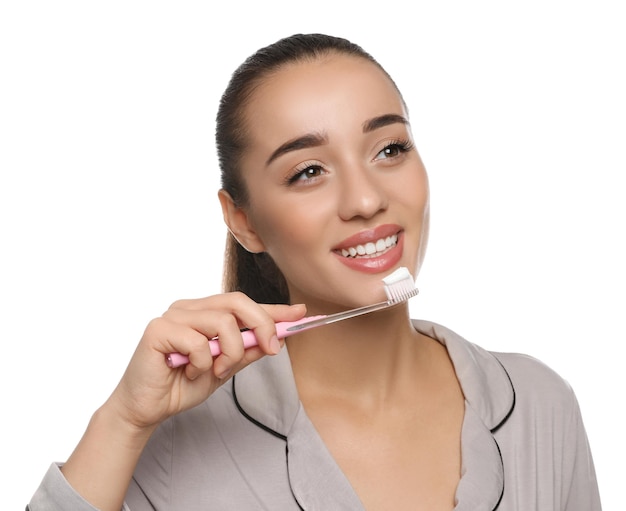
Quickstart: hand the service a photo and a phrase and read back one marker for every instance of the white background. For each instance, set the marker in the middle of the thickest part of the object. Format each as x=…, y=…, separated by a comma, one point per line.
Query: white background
x=108, y=186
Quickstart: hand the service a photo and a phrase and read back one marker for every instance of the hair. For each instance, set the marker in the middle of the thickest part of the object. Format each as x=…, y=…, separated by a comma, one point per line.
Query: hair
x=256, y=274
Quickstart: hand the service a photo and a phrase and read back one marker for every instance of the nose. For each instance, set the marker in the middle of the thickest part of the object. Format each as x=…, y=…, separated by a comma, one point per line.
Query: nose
x=362, y=194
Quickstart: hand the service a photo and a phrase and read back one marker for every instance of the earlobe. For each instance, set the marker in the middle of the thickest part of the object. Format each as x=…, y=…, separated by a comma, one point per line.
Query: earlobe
x=238, y=223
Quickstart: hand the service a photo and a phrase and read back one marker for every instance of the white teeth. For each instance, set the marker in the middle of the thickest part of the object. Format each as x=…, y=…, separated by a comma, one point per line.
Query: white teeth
x=370, y=248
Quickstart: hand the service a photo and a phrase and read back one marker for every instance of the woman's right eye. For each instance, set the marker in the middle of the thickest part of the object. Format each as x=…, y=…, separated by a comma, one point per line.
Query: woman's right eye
x=306, y=174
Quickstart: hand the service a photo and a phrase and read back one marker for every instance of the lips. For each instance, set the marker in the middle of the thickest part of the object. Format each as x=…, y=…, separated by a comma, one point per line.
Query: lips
x=372, y=250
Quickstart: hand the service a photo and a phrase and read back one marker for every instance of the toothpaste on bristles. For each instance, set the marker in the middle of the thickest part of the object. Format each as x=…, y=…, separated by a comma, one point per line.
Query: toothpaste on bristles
x=399, y=285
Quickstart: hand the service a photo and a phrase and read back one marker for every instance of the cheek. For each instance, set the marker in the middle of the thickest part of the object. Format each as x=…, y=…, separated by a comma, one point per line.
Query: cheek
x=421, y=199
x=284, y=229
x=414, y=197
x=415, y=193
x=425, y=233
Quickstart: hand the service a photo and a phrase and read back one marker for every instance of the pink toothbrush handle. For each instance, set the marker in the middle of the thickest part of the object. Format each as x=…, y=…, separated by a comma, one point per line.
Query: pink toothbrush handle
x=249, y=340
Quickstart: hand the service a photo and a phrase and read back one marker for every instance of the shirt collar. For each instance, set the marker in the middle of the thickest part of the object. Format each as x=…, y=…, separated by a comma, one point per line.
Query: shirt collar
x=485, y=383
x=266, y=393
x=266, y=390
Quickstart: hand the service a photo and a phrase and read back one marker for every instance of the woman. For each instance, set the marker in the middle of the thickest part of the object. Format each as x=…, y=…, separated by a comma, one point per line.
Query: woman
x=378, y=412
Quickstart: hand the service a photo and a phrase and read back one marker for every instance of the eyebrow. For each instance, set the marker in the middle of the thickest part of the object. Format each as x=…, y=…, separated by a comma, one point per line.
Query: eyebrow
x=382, y=121
x=318, y=139
x=303, y=142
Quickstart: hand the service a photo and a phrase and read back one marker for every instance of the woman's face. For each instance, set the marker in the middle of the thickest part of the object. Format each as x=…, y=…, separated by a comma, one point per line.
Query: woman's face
x=338, y=192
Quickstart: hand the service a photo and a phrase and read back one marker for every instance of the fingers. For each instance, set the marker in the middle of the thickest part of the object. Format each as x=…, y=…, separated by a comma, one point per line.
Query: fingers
x=167, y=336
x=223, y=316
x=208, y=324
x=150, y=391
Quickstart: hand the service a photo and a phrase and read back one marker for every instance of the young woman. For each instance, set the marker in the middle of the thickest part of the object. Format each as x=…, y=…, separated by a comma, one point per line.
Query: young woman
x=378, y=412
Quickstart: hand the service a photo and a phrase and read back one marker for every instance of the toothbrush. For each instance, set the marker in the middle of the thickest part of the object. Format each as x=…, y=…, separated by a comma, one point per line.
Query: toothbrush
x=399, y=287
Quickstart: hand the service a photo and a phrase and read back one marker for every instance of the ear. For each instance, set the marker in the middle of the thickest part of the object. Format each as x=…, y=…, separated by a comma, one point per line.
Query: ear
x=238, y=224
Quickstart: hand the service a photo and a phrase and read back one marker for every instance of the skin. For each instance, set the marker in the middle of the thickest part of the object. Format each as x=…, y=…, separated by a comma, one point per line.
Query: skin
x=356, y=188
x=101, y=466
x=376, y=390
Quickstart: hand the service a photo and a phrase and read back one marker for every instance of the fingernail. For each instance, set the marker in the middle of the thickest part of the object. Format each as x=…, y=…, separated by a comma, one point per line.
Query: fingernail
x=274, y=345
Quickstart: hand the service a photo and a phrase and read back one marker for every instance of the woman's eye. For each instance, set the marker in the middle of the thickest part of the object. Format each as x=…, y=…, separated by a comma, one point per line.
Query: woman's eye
x=393, y=150
x=306, y=174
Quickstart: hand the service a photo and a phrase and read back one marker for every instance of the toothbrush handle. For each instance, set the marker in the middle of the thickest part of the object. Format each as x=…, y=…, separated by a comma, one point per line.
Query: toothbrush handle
x=249, y=339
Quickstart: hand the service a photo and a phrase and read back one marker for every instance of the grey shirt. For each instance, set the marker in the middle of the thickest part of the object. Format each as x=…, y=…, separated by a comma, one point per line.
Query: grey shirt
x=251, y=446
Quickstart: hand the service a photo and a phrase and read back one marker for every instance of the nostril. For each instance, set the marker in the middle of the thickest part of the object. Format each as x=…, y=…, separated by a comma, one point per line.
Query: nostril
x=363, y=200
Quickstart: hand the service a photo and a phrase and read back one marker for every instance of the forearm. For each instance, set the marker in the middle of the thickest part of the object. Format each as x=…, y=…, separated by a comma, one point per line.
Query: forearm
x=102, y=465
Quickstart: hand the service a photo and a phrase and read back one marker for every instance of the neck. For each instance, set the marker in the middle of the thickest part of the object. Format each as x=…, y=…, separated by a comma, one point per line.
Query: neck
x=369, y=356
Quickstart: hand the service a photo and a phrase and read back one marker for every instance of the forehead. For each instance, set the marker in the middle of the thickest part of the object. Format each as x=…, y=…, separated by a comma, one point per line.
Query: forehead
x=328, y=92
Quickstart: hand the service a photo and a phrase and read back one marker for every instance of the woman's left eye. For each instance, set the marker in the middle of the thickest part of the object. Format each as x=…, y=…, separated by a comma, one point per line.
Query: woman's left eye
x=393, y=150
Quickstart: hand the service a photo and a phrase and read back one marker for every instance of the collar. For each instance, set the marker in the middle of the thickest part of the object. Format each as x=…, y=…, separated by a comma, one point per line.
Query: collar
x=266, y=394
x=486, y=384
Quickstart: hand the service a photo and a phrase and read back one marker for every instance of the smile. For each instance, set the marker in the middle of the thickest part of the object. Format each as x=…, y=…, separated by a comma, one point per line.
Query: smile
x=371, y=249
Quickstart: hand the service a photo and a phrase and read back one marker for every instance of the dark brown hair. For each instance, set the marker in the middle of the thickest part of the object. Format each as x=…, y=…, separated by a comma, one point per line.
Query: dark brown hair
x=256, y=274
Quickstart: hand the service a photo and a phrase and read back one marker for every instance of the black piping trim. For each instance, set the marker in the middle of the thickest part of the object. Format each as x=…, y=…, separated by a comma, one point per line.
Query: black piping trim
x=252, y=419
x=503, y=480
x=504, y=419
x=144, y=493
x=497, y=426
x=289, y=478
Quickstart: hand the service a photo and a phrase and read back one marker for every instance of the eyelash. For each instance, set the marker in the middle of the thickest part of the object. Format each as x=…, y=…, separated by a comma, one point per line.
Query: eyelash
x=300, y=171
x=403, y=146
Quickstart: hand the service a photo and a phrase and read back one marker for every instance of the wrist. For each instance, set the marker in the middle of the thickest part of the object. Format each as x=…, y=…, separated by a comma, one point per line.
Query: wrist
x=111, y=418
x=102, y=464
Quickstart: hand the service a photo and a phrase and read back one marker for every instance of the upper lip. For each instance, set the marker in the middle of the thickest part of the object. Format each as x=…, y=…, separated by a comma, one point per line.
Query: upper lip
x=369, y=235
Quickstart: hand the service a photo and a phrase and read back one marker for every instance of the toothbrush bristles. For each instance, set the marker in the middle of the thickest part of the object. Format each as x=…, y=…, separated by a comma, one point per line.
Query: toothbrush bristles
x=399, y=286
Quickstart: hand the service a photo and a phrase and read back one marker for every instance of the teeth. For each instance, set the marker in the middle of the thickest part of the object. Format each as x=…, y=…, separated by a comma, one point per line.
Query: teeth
x=371, y=249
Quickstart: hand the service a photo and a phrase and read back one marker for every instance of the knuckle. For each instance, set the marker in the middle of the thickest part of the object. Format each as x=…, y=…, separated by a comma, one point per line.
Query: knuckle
x=197, y=342
x=238, y=296
x=155, y=325
x=226, y=322
x=178, y=304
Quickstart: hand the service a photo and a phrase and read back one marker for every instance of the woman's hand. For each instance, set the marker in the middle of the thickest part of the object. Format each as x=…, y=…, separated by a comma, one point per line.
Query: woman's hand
x=101, y=466
x=150, y=391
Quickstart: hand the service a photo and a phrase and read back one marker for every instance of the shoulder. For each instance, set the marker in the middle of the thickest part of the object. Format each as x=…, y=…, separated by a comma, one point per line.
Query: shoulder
x=500, y=384
x=531, y=376
x=544, y=400
x=489, y=370
x=543, y=442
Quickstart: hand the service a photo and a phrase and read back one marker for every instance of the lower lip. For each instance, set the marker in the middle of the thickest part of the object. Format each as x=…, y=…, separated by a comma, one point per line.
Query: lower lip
x=378, y=264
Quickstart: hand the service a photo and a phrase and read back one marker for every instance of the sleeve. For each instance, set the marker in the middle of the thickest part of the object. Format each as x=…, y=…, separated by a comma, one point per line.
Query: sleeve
x=582, y=493
x=548, y=461
x=56, y=494
x=151, y=478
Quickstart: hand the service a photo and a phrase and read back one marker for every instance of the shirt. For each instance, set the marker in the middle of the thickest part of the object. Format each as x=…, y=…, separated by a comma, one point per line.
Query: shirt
x=251, y=446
